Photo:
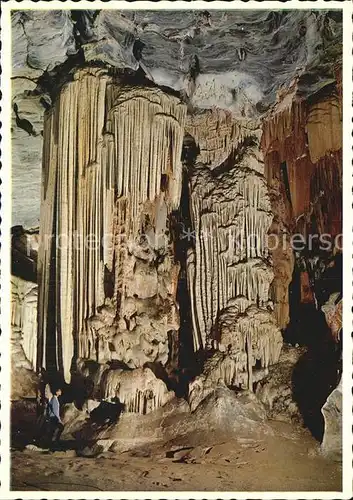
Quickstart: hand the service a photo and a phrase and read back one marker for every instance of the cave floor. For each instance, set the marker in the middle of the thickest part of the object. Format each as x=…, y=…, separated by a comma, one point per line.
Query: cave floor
x=289, y=460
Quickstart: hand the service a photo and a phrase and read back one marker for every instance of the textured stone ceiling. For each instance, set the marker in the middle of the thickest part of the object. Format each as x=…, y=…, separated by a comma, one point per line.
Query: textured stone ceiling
x=235, y=60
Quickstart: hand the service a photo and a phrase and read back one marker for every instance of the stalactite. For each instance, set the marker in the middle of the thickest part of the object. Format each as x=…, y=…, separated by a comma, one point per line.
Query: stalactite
x=106, y=148
x=326, y=191
x=72, y=172
x=248, y=341
x=284, y=127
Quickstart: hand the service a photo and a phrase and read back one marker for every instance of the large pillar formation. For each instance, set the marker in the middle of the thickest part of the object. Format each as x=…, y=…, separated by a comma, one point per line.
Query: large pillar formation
x=229, y=268
x=111, y=176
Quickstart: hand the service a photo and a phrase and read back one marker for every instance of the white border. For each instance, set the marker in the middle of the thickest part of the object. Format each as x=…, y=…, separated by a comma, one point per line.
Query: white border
x=5, y=174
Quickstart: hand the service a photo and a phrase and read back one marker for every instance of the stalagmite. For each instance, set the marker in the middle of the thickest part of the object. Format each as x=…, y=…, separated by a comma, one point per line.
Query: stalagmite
x=24, y=295
x=231, y=215
x=332, y=412
x=111, y=176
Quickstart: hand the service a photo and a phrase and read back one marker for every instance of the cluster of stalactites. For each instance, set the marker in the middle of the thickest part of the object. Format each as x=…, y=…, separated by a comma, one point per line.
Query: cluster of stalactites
x=231, y=217
x=253, y=332
x=246, y=341
x=138, y=390
x=73, y=201
x=145, y=136
x=101, y=142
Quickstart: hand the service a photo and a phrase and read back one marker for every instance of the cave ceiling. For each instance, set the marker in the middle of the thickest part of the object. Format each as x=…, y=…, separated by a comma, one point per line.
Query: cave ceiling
x=237, y=60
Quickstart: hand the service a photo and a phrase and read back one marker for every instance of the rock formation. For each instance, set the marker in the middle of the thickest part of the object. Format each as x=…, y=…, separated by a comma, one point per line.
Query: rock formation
x=275, y=391
x=24, y=322
x=222, y=414
x=216, y=58
x=111, y=174
x=23, y=338
x=302, y=144
x=138, y=390
x=115, y=297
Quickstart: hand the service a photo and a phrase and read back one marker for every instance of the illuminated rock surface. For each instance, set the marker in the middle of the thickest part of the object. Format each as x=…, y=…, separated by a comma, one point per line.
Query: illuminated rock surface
x=332, y=411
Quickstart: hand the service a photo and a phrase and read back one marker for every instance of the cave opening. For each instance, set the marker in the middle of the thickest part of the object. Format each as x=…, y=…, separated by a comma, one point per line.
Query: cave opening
x=317, y=372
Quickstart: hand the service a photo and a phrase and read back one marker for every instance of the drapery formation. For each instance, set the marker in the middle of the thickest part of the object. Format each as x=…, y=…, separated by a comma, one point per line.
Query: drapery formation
x=111, y=175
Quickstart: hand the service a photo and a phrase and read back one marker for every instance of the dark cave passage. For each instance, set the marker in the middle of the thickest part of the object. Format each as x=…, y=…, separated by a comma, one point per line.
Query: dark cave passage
x=318, y=370
x=186, y=349
x=50, y=354
x=183, y=241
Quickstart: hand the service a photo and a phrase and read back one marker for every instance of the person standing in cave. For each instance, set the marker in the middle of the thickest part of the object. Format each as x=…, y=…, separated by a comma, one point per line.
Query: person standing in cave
x=56, y=426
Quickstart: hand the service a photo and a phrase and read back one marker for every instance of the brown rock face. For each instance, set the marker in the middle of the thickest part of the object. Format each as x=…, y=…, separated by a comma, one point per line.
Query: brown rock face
x=302, y=145
x=326, y=190
x=324, y=128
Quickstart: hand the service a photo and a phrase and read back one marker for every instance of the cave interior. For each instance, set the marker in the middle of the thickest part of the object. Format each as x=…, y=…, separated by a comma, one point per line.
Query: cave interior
x=157, y=258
